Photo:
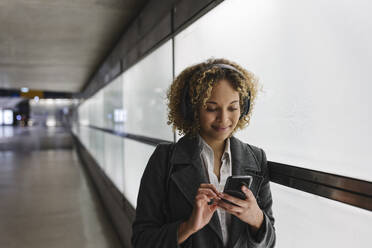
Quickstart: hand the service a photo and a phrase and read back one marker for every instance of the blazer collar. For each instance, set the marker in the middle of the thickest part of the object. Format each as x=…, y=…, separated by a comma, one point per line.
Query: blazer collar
x=188, y=178
x=187, y=151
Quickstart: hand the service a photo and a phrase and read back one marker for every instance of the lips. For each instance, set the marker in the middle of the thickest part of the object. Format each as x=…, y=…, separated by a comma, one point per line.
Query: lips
x=221, y=128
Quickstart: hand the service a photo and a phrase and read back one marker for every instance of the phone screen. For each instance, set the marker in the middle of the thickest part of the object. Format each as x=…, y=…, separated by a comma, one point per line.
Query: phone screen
x=234, y=185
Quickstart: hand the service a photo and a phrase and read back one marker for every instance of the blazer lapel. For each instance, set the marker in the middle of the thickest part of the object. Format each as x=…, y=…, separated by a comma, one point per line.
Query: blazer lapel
x=190, y=173
x=243, y=160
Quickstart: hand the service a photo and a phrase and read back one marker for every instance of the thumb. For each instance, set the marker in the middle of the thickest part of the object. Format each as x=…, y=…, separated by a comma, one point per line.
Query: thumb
x=248, y=193
x=213, y=207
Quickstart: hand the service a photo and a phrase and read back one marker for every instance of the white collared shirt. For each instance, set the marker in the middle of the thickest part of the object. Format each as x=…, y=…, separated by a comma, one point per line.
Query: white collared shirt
x=207, y=156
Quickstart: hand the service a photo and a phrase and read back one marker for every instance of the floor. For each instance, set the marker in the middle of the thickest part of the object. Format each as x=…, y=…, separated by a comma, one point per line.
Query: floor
x=46, y=199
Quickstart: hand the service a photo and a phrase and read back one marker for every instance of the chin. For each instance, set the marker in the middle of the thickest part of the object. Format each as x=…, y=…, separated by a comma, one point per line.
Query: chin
x=221, y=136
x=214, y=134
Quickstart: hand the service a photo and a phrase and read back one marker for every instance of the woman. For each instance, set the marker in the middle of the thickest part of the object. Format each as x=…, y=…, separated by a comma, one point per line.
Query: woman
x=180, y=201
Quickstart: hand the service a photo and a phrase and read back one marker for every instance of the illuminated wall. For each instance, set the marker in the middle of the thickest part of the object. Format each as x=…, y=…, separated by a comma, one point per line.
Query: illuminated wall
x=313, y=61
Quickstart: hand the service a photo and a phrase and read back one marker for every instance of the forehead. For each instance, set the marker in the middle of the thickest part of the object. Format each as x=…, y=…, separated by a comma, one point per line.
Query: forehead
x=223, y=91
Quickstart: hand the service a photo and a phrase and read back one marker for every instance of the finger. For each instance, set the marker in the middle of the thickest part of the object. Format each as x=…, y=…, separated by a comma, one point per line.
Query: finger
x=213, y=207
x=248, y=193
x=234, y=200
x=203, y=196
x=209, y=196
x=210, y=186
x=209, y=201
x=208, y=192
x=202, y=199
x=232, y=209
x=206, y=197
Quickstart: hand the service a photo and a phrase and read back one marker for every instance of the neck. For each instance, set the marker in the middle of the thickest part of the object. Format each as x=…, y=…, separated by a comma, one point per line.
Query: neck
x=218, y=146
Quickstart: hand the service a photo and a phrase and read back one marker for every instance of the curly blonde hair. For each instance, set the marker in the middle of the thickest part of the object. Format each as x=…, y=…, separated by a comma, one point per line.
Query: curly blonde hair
x=200, y=79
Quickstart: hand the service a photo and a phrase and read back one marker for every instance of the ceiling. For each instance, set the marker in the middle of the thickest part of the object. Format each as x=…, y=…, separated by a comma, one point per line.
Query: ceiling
x=56, y=45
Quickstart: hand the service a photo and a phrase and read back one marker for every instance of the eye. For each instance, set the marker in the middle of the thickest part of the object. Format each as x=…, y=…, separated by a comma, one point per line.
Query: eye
x=211, y=110
x=233, y=109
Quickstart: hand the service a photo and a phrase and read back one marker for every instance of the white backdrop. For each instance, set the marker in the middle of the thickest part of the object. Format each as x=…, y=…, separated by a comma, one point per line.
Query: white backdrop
x=313, y=59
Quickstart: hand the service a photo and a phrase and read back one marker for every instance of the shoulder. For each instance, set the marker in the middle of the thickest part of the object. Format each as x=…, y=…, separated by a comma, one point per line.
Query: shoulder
x=162, y=152
x=162, y=148
x=257, y=152
x=159, y=159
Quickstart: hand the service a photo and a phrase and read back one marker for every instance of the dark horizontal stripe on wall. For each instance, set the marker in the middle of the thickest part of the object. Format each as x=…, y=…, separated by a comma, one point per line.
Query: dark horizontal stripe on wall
x=140, y=138
x=339, y=188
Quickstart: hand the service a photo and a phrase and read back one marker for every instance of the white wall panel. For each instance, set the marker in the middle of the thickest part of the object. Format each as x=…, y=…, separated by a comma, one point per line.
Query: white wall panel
x=305, y=220
x=136, y=156
x=145, y=86
x=113, y=104
x=83, y=111
x=114, y=163
x=96, y=146
x=84, y=136
x=96, y=110
x=1, y=117
x=313, y=59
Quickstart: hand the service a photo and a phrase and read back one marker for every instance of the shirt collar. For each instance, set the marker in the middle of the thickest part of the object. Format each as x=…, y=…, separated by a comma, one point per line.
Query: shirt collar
x=227, y=152
x=206, y=147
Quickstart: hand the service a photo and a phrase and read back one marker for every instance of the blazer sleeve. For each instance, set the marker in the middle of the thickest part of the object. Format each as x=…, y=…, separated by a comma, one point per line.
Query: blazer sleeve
x=149, y=227
x=265, y=236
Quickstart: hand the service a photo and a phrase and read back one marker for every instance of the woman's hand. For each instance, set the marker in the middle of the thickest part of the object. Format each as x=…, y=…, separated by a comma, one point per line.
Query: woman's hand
x=202, y=211
x=246, y=210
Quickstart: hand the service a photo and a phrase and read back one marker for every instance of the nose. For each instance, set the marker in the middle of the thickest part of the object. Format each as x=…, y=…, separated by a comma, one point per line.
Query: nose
x=223, y=117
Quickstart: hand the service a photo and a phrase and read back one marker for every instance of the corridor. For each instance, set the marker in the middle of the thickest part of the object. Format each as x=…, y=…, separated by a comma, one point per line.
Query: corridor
x=46, y=198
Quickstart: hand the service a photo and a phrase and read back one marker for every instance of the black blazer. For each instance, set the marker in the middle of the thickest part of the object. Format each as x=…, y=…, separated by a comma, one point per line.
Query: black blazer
x=166, y=199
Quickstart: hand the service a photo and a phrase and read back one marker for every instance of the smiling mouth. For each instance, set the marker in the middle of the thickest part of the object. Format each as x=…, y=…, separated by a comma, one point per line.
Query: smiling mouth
x=220, y=128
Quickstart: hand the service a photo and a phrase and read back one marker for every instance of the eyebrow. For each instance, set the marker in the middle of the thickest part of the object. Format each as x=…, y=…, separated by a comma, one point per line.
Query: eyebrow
x=216, y=103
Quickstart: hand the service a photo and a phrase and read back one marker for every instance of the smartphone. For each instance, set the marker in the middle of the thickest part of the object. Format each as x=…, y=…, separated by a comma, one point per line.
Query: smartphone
x=234, y=185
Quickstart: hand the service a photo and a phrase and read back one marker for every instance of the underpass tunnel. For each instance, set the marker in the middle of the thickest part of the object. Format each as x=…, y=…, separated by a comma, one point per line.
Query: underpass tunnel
x=83, y=106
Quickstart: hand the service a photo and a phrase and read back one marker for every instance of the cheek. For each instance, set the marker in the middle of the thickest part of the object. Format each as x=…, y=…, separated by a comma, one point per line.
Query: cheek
x=236, y=117
x=208, y=117
x=202, y=119
x=205, y=116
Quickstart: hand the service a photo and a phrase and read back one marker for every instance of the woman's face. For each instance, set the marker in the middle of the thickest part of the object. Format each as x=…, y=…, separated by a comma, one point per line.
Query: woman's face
x=222, y=114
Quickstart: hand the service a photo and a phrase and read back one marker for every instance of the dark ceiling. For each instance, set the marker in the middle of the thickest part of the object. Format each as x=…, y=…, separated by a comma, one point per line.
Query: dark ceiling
x=56, y=45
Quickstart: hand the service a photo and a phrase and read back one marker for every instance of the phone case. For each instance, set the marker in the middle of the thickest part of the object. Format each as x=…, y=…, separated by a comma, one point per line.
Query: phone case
x=233, y=185
x=257, y=182
x=254, y=186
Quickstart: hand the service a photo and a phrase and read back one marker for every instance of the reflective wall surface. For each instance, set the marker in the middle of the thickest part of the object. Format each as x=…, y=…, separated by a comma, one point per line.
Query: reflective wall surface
x=313, y=66
x=312, y=59
x=307, y=220
x=145, y=85
x=133, y=103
